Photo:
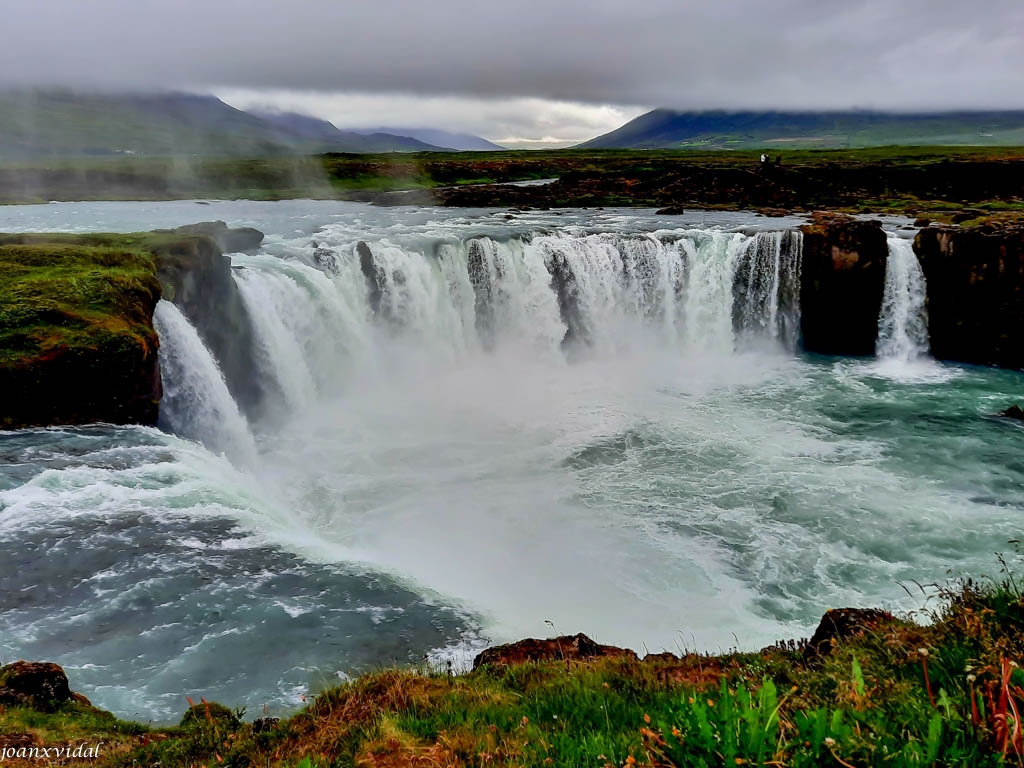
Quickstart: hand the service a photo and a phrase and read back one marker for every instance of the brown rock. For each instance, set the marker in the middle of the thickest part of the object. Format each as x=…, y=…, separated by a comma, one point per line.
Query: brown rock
x=841, y=624
x=566, y=648
x=39, y=685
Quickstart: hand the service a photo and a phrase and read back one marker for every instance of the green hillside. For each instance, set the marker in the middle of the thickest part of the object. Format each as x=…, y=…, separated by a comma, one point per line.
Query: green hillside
x=37, y=124
x=666, y=129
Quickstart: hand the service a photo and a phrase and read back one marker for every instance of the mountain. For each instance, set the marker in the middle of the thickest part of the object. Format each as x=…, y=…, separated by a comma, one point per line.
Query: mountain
x=664, y=128
x=64, y=124
x=439, y=138
x=300, y=128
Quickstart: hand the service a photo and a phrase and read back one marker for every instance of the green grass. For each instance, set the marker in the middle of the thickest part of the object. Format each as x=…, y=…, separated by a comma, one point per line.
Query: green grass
x=944, y=693
x=66, y=292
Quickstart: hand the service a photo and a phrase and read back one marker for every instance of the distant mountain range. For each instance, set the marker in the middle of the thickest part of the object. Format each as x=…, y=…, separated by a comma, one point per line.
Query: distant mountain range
x=66, y=124
x=668, y=129
x=450, y=139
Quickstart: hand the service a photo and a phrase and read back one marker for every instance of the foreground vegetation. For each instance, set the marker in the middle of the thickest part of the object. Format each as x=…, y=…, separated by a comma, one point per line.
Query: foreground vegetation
x=939, y=181
x=896, y=693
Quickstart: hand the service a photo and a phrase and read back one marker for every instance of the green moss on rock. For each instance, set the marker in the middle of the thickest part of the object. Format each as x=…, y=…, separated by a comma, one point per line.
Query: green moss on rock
x=77, y=342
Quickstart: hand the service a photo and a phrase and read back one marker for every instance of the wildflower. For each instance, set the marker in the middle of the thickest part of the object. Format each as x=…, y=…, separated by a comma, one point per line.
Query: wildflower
x=923, y=652
x=525, y=720
x=692, y=700
x=630, y=760
x=830, y=742
x=971, y=678
x=647, y=719
x=676, y=732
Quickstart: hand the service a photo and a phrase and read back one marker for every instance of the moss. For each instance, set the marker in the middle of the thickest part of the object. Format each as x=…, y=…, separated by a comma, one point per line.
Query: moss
x=57, y=296
x=77, y=342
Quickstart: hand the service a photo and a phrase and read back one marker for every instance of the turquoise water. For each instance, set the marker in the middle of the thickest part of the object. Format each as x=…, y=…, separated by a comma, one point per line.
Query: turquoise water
x=416, y=488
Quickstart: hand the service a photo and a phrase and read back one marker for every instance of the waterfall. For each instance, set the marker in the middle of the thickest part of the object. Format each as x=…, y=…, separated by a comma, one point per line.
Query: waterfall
x=903, y=319
x=196, y=403
x=323, y=318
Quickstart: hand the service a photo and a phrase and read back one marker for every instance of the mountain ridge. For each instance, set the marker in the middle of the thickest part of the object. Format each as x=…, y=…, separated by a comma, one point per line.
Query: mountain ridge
x=749, y=129
x=61, y=123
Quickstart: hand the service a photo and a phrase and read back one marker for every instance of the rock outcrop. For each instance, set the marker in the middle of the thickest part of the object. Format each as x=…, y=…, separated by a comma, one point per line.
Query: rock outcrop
x=841, y=624
x=77, y=343
x=196, y=275
x=565, y=648
x=237, y=240
x=842, y=282
x=36, y=684
x=1013, y=412
x=975, y=278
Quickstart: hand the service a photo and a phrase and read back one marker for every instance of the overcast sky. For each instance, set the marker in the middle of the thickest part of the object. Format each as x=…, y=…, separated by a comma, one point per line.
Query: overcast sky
x=528, y=70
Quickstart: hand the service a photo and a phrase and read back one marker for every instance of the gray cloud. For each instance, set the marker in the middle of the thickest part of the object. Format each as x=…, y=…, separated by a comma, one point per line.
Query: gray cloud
x=908, y=54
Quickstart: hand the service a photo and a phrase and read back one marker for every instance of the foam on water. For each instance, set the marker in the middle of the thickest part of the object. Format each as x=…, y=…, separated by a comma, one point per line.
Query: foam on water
x=589, y=420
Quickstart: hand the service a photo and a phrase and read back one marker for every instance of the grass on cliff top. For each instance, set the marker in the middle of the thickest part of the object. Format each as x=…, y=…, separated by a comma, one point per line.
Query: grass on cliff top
x=947, y=693
x=60, y=292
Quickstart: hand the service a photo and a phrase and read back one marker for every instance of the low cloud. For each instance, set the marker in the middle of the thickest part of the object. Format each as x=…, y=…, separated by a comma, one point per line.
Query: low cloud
x=551, y=59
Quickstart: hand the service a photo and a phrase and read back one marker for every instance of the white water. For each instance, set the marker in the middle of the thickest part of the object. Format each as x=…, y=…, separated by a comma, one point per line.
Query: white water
x=457, y=395
x=196, y=402
x=446, y=470
x=903, y=320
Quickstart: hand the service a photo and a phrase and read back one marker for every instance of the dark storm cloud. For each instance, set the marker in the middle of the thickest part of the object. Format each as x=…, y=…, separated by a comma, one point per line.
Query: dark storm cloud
x=786, y=53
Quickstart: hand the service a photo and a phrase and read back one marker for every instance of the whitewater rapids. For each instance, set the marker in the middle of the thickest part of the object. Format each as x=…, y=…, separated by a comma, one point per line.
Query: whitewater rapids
x=462, y=448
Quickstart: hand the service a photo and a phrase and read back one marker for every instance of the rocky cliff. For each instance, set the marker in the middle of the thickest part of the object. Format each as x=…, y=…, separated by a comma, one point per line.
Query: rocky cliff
x=975, y=278
x=842, y=281
x=77, y=342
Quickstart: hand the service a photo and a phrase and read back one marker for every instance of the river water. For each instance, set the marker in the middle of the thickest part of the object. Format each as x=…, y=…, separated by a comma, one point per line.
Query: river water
x=461, y=450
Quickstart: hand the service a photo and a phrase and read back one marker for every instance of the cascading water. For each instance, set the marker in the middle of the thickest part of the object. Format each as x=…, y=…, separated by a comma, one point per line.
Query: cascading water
x=903, y=319
x=468, y=424
x=703, y=290
x=196, y=402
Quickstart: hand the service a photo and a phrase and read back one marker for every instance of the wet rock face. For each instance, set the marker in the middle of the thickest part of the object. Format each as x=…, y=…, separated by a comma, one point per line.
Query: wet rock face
x=38, y=685
x=566, y=648
x=842, y=283
x=374, y=275
x=195, y=274
x=975, y=280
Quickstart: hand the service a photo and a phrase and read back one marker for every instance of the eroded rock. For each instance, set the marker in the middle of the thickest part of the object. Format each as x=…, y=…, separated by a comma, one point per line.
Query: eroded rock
x=36, y=684
x=841, y=624
x=565, y=648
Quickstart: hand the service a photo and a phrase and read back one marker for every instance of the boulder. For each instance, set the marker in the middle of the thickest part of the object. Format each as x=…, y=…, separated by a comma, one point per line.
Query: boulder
x=921, y=221
x=1013, y=412
x=237, y=240
x=565, y=648
x=672, y=210
x=39, y=685
x=841, y=624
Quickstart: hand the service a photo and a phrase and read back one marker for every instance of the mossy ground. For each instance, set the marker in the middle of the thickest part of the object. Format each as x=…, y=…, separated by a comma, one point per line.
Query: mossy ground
x=73, y=292
x=946, y=693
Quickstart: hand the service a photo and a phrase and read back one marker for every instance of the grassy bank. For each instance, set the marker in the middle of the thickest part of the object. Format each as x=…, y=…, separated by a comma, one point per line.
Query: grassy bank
x=72, y=291
x=898, y=693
